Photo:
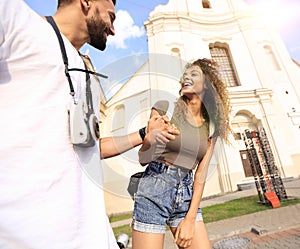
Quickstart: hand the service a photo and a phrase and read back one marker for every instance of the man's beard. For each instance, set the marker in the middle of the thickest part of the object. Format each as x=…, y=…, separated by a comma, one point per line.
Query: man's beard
x=97, y=29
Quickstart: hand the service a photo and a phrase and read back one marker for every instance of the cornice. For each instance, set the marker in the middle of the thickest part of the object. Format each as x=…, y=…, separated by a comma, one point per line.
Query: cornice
x=261, y=94
x=200, y=17
x=197, y=24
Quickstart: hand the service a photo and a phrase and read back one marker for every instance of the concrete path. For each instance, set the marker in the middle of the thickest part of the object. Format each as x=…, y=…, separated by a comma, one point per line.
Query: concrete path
x=275, y=228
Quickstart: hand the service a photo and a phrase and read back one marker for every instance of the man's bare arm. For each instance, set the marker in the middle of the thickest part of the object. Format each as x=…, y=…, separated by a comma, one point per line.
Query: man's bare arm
x=113, y=146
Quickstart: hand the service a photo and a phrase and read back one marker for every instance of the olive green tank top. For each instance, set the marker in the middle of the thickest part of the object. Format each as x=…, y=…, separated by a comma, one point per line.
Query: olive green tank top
x=189, y=147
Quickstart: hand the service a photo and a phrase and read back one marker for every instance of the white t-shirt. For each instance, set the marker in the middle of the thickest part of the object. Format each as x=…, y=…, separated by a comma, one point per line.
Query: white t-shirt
x=46, y=198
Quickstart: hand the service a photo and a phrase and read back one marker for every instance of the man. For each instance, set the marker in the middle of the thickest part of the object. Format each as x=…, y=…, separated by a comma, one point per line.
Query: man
x=46, y=200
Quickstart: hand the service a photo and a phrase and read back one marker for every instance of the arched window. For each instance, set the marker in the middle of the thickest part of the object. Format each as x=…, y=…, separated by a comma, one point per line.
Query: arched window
x=221, y=54
x=175, y=52
x=118, y=120
x=206, y=4
x=271, y=58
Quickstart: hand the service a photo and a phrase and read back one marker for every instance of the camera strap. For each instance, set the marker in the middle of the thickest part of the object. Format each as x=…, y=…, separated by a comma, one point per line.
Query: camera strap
x=63, y=52
x=89, y=98
x=65, y=57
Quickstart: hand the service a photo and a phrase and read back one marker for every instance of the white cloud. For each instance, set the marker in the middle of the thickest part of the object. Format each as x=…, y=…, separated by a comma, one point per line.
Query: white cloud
x=124, y=29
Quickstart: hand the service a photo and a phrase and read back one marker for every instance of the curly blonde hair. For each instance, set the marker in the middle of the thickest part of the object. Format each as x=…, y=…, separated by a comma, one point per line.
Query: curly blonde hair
x=215, y=102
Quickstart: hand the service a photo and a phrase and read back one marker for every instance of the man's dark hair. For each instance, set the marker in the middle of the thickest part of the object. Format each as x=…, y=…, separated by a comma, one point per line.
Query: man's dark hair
x=63, y=2
x=66, y=2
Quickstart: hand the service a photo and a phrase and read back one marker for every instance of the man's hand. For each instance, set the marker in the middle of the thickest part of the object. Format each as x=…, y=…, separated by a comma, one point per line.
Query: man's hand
x=159, y=130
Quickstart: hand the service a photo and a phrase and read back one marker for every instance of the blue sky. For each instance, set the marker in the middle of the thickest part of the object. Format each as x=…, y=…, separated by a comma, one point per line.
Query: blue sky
x=130, y=35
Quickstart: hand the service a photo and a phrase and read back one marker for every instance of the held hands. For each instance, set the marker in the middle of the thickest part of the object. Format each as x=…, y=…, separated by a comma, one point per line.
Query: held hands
x=185, y=232
x=159, y=130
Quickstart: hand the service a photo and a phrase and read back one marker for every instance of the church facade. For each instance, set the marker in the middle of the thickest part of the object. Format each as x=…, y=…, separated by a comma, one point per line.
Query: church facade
x=263, y=82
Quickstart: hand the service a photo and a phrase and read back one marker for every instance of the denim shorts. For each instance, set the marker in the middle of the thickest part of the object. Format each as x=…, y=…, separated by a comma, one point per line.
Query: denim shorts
x=163, y=198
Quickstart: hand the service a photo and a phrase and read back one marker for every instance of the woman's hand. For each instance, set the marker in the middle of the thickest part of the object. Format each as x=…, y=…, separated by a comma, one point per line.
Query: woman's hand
x=159, y=130
x=185, y=232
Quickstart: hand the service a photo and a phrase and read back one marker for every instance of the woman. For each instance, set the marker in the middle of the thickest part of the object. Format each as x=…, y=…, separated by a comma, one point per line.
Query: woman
x=168, y=194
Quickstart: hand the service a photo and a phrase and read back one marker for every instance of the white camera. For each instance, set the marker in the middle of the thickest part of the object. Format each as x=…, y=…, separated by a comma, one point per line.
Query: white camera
x=84, y=126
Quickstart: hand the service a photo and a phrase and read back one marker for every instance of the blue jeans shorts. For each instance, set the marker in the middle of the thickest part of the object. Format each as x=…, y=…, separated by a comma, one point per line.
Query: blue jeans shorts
x=163, y=198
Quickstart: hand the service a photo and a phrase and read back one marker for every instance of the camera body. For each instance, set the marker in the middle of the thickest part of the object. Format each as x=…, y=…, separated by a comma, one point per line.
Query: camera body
x=84, y=126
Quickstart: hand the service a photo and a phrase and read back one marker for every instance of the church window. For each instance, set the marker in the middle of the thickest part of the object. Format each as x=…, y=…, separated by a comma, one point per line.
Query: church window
x=221, y=55
x=118, y=121
x=175, y=52
x=237, y=136
x=271, y=58
x=175, y=64
x=206, y=4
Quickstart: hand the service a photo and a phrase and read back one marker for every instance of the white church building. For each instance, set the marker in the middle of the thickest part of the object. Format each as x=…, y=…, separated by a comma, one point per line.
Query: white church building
x=263, y=83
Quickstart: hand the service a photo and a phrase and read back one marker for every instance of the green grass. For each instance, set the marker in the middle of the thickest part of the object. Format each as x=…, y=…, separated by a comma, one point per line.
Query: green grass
x=114, y=218
x=238, y=207
x=122, y=229
x=230, y=209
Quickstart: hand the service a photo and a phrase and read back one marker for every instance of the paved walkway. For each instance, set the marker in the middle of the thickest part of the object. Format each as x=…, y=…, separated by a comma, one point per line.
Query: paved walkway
x=277, y=228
